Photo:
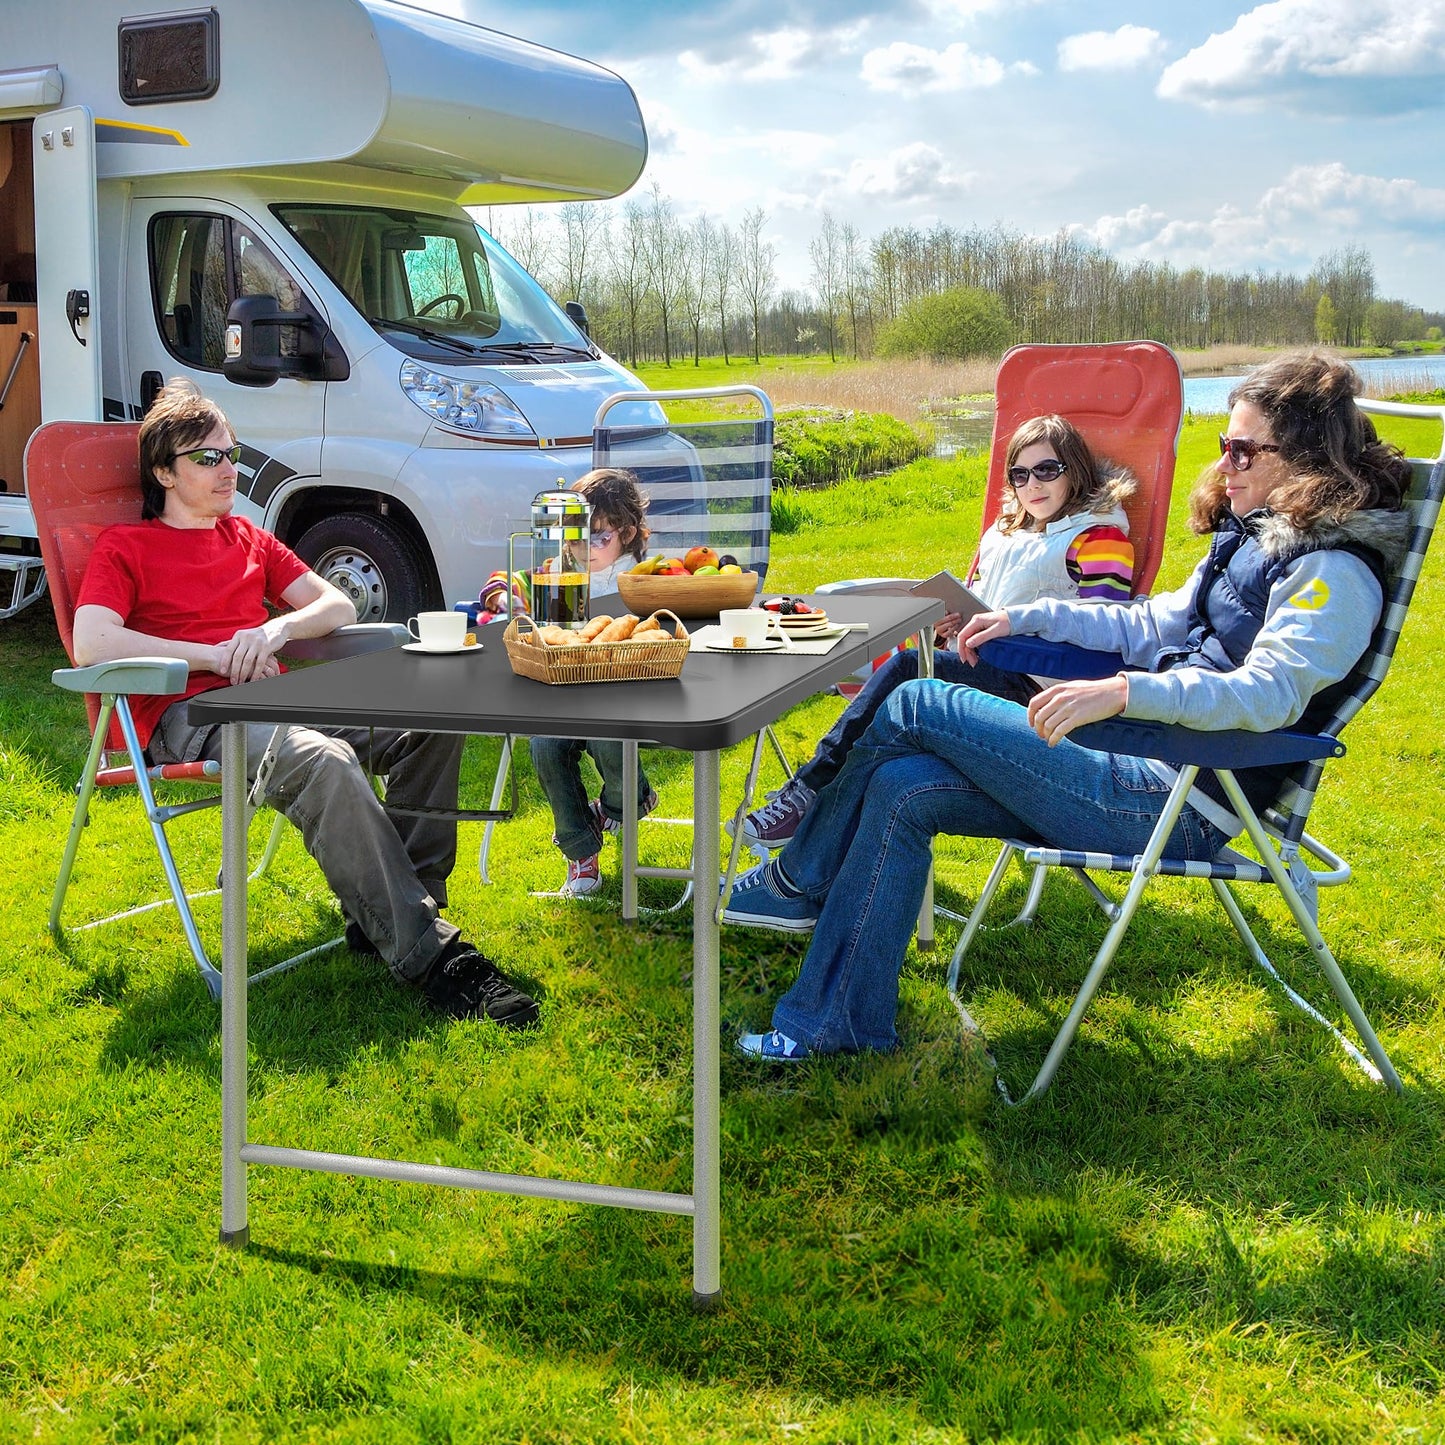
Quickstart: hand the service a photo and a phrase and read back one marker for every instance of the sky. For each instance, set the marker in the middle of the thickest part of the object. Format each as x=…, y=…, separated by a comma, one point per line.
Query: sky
x=1197, y=132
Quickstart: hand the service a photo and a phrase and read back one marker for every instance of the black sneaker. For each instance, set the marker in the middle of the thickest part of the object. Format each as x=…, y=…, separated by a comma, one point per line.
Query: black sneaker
x=467, y=985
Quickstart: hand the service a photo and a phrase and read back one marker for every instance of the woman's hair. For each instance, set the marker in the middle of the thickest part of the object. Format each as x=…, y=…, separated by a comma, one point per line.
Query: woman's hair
x=614, y=494
x=1337, y=464
x=1082, y=472
x=179, y=420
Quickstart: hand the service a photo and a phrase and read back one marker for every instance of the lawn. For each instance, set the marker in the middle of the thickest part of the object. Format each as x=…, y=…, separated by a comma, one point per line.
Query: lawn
x=1211, y=1229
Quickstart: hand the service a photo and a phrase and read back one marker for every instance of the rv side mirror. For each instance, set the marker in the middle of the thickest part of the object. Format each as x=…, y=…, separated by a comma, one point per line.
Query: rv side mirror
x=577, y=315
x=253, y=345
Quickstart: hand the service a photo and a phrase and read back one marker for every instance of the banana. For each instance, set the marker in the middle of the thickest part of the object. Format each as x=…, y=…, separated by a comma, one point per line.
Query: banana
x=647, y=566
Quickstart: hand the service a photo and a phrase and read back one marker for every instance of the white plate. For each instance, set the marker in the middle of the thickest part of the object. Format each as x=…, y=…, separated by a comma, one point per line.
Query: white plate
x=770, y=645
x=803, y=624
x=426, y=647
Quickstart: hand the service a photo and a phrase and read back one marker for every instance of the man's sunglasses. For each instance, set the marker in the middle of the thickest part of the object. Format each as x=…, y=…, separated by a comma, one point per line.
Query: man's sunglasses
x=1241, y=451
x=1048, y=470
x=211, y=456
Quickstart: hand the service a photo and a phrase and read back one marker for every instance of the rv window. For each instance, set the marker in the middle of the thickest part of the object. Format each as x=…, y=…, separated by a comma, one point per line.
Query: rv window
x=170, y=57
x=199, y=265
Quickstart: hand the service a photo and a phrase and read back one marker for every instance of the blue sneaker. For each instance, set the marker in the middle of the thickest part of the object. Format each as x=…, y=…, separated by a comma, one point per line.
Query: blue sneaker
x=757, y=902
x=776, y=1047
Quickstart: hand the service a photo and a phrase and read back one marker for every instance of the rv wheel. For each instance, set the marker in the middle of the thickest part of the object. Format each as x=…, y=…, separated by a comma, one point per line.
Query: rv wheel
x=371, y=560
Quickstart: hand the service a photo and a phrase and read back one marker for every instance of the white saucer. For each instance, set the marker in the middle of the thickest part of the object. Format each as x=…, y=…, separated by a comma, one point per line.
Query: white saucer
x=426, y=647
x=770, y=644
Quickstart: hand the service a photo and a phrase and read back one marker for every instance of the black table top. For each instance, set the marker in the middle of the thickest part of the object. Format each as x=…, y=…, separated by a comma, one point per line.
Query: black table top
x=717, y=701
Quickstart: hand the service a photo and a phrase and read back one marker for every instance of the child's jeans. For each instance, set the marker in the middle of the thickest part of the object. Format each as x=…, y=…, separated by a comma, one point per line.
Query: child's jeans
x=558, y=763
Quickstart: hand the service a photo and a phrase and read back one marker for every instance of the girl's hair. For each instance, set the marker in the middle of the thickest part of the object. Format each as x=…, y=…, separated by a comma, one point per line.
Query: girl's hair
x=1337, y=464
x=179, y=420
x=615, y=495
x=1082, y=472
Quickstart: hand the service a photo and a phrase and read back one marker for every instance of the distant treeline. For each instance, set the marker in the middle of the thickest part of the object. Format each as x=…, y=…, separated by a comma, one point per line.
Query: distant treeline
x=657, y=289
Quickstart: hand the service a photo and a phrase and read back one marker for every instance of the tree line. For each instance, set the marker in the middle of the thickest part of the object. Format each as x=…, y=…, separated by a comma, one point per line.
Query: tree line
x=658, y=288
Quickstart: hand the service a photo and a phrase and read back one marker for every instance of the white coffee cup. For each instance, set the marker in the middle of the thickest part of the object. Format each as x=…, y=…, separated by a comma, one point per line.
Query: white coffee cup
x=439, y=631
x=744, y=627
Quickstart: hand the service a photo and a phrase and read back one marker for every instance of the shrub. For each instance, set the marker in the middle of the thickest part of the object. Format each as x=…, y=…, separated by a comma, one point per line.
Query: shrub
x=952, y=324
x=814, y=448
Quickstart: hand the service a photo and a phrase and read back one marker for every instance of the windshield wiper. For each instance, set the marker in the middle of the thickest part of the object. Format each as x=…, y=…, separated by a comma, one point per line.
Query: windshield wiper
x=427, y=334
x=527, y=348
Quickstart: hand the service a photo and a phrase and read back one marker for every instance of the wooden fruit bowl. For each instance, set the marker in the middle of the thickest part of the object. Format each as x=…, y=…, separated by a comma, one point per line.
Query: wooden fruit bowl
x=687, y=596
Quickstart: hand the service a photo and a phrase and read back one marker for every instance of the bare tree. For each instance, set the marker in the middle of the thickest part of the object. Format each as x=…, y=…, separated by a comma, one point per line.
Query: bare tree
x=721, y=270
x=825, y=251
x=701, y=239
x=584, y=228
x=529, y=237
x=756, y=270
x=630, y=273
x=667, y=262
x=855, y=280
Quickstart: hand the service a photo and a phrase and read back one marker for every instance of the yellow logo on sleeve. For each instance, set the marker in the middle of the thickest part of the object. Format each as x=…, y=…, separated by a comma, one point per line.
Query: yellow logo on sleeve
x=1311, y=598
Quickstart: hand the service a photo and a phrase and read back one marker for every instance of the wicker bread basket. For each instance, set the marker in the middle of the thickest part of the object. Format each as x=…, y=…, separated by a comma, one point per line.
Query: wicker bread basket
x=594, y=661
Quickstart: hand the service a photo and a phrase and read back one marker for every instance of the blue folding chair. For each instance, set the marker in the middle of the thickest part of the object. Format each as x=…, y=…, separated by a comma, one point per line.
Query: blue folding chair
x=1288, y=854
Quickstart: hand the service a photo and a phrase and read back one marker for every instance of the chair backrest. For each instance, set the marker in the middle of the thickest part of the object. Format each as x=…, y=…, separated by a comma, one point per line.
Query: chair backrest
x=81, y=477
x=1127, y=398
x=708, y=481
x=1427, y=489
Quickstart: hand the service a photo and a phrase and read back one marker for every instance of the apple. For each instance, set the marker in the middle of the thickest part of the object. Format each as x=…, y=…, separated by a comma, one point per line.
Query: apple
x=670, y=567
x=730, y=569
x=706, y=571
x=700, y=556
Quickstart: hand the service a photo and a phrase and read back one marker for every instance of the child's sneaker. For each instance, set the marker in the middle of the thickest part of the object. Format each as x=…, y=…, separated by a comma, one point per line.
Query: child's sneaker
x=583, y=877
x=607, y=825
x=777, y=820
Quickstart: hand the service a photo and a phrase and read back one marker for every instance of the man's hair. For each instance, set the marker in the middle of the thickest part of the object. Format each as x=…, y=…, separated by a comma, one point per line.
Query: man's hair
x=179, y=420
x=614, y=495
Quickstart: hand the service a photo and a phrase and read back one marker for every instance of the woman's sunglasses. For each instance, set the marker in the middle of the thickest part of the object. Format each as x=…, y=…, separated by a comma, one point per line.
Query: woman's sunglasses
x=1241, y=451
x=211, y=456
x=1048, y=470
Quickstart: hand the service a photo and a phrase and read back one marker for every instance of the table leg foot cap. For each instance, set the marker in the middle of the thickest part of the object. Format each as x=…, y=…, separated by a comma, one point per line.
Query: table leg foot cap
x=704, y=1304
x=236, y=1238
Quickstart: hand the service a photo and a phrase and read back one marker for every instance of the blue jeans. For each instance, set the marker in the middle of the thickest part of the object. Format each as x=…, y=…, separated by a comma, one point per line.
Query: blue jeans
x=558, y=764
x=832, y=752
x=941, y=759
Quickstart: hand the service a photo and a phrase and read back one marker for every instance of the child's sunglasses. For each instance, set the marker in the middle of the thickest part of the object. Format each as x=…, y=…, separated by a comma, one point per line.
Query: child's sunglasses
x=1049, y=470
x=211, y=456
x=1241, y=451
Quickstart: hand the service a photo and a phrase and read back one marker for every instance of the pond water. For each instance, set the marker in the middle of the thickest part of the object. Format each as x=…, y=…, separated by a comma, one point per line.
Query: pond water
x=969, y=428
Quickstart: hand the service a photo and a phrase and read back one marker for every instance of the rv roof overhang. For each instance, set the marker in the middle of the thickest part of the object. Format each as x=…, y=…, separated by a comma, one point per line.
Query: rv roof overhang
x=368, y=83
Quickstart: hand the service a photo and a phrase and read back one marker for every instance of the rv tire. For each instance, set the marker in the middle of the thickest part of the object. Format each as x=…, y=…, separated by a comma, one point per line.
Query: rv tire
x=370, y=559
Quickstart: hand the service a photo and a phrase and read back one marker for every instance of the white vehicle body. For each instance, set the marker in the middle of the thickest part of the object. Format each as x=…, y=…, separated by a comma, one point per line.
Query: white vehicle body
x=287, y=229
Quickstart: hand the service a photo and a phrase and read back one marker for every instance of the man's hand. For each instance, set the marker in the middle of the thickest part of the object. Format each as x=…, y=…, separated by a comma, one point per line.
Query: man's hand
x=251, y=653
x=980, y=628
x=1058, y=710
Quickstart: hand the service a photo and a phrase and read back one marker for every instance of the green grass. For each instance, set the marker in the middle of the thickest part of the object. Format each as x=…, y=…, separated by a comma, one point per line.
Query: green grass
x=1210, y=1230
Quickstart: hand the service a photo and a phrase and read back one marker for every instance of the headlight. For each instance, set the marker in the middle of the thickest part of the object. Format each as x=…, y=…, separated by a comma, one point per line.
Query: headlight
x=469, y=406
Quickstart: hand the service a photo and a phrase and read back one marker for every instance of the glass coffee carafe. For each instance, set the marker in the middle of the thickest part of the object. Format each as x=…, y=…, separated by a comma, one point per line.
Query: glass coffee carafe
x=559, y=567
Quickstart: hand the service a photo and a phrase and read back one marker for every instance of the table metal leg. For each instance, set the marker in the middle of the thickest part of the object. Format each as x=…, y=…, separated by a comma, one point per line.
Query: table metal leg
x=629, y=831
x=234, y=1228
x=706, y=1029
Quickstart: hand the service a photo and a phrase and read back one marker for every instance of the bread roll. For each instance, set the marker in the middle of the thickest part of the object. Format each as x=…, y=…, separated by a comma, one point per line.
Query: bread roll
x=618, y=631
x=555, y=636
x=587, y=633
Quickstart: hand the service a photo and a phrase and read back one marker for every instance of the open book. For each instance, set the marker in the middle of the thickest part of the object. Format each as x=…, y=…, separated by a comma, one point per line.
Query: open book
x=956, y=597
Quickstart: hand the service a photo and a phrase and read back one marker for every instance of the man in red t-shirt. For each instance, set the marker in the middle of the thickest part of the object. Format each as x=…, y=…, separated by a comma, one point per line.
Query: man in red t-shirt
x=193, y=581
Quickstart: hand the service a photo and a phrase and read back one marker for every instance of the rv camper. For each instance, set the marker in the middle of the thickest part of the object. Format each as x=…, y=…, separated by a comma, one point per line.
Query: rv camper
x=269, y=198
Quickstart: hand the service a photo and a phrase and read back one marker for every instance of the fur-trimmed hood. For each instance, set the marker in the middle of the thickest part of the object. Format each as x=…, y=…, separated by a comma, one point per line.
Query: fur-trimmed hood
x=1386, y=533
x=1118, y=484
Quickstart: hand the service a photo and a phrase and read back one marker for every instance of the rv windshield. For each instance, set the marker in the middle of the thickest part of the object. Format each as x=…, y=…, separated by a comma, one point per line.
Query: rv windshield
x=438, y=287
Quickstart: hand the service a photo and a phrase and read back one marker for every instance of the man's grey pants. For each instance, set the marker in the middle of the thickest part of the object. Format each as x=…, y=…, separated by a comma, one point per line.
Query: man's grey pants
x=388, y=873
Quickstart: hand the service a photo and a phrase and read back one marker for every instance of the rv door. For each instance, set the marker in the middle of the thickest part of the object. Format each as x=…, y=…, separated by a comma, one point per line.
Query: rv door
x=67, y=265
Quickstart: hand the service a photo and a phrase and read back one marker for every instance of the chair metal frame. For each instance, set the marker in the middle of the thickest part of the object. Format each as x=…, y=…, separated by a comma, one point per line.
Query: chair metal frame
x=97, y=461
x=1290, y=858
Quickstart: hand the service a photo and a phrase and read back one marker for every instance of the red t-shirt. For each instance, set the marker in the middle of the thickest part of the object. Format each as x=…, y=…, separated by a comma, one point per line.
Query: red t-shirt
x=187, y=584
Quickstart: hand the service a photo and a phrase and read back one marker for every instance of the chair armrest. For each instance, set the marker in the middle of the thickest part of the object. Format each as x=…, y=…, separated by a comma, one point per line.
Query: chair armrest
x=143, y=675
x=1230, y=748
x=1050, y=659
x=349, y=641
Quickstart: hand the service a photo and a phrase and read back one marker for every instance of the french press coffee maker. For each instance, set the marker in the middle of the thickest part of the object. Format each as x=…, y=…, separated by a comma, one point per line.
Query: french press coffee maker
x=559, y=568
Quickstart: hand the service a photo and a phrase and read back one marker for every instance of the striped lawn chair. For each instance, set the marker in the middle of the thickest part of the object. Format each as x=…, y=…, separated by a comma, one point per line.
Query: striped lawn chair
x=1290, y=859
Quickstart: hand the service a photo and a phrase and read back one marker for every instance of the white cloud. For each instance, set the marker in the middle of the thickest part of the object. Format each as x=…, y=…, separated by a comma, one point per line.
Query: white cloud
x=916, y=69
x=911, y=173
x=964, y=10
x=1122, y=49
x=1328, y=56
x=772, y=55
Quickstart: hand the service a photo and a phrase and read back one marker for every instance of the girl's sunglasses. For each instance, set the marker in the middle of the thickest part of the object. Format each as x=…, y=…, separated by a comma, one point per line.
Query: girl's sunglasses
x=599, y=540
x=1048, y=470
x=1241, y=451
x=211, y=456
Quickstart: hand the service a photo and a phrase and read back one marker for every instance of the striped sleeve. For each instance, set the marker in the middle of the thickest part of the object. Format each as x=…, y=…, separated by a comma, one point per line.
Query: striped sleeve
x=1101, y=561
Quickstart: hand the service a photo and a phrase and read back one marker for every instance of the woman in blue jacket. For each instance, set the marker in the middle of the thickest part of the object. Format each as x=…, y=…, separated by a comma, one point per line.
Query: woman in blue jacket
x=1305, y=511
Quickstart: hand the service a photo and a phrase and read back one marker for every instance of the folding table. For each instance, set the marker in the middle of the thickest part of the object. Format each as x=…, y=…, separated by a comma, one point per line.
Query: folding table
x=718, y=701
